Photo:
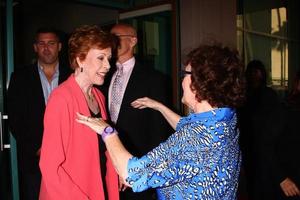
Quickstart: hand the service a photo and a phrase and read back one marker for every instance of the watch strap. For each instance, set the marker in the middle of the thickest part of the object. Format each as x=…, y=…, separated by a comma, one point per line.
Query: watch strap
x=108, y=131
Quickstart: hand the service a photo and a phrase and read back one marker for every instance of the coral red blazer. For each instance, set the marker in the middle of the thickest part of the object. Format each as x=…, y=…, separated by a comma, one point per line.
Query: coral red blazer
x=69, y=162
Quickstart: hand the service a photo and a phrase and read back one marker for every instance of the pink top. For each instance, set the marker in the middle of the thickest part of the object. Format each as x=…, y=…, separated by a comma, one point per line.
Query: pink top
x=69, y=160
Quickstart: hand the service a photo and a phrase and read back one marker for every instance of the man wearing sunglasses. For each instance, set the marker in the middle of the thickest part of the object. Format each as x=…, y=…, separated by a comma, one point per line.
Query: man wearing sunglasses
x=142, y=130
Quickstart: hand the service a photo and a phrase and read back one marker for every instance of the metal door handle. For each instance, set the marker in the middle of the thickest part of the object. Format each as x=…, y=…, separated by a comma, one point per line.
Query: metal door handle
x=3, y=146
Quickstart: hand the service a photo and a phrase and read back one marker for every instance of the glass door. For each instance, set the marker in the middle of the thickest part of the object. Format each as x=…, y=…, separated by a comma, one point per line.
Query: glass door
x=8, y=158
x=155, y=39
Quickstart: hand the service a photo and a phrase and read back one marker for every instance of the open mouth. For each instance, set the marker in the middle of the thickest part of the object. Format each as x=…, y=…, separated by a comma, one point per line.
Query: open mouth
x=101, y=74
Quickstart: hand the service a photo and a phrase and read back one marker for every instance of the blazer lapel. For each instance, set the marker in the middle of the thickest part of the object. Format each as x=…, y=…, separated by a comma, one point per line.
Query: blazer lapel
x=36, y=87
x=64, y=73
x=133, y=82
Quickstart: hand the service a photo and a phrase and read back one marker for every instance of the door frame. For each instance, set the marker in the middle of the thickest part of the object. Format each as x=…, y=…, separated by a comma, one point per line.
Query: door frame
x=174, y=7
x=8, y=68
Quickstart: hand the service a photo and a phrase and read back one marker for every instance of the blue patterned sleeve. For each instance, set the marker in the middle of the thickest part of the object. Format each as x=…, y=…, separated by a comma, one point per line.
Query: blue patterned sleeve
x=201, y=158
x=167, y=164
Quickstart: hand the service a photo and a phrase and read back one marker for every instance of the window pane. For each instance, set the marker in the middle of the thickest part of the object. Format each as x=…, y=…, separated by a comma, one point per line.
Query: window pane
x=262, y=35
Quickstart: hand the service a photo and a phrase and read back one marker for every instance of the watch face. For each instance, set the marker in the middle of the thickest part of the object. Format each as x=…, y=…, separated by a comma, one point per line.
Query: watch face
x=109, y=129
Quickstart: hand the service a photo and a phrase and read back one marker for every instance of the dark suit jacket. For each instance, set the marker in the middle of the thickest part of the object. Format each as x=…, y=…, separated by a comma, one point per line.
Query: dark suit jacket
x=290, y=146
x=26, y=107
x=285, y=161
x=257, y=119
x=142, y=130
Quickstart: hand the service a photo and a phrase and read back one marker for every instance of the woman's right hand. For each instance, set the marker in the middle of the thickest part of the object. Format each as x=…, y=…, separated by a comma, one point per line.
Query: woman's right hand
x=289, y=188
x=168, y=114
x=146, y=102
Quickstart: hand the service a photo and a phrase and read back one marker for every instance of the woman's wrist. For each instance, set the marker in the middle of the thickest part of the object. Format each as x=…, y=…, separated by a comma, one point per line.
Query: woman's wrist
x=106, y=138
x=107, y=131
x=159, y=107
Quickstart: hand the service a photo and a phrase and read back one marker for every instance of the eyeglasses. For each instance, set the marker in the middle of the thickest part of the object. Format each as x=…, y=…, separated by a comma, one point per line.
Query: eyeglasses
x=125, y=35
x=183, y=73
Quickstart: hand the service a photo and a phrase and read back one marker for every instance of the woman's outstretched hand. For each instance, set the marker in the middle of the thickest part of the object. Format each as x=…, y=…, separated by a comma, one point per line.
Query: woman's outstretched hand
x=168, y=114
x=97, y=124
x=145, y=102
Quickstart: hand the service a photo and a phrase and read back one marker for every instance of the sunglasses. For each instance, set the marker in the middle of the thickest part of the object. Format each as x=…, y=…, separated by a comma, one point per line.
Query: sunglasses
x=125, y=35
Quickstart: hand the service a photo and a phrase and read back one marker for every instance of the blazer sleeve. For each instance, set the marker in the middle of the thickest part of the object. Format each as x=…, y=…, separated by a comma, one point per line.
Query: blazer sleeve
x=56, y=182
x=276, y=130
x=15, y=107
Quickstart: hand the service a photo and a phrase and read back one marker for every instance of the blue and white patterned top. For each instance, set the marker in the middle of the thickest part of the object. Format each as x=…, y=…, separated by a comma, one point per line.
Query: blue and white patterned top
x=201, y=160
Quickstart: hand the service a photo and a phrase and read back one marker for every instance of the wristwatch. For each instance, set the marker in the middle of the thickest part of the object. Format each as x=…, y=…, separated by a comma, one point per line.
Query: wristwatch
x=107, y=131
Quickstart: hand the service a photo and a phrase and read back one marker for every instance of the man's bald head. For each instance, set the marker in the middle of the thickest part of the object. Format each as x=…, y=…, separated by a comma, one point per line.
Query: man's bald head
x=127, y=41
x=124, y=28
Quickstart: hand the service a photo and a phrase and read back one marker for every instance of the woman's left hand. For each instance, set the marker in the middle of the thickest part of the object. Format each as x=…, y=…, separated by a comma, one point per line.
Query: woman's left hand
x=97, y=124
x=122, y=184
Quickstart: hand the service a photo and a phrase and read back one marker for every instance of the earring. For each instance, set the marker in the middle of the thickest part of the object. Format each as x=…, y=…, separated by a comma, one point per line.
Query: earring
x=81, y=69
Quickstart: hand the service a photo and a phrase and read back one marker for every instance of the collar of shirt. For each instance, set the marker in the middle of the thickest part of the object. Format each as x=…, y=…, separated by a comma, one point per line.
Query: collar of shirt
x=216, y=114
x=127, y=65
x=40, y=68
x=47, y=86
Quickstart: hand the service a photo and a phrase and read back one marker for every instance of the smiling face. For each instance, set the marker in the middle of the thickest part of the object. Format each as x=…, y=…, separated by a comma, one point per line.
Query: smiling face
x=96, y=65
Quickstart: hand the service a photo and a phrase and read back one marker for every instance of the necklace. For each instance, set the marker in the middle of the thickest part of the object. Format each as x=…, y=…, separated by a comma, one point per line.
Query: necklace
x=91, y=97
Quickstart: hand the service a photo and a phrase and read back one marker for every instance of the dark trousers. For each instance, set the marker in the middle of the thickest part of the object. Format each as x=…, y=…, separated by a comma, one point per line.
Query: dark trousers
x=30, y=185
x=128, y=194
x=281, y=195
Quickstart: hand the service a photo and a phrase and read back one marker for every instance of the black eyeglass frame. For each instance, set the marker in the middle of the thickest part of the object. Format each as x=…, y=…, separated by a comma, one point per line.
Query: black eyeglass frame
x=125, y=35
x=183, y=73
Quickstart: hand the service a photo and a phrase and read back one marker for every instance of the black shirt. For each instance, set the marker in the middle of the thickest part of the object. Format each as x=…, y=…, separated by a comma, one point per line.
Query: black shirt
x=102, y=149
